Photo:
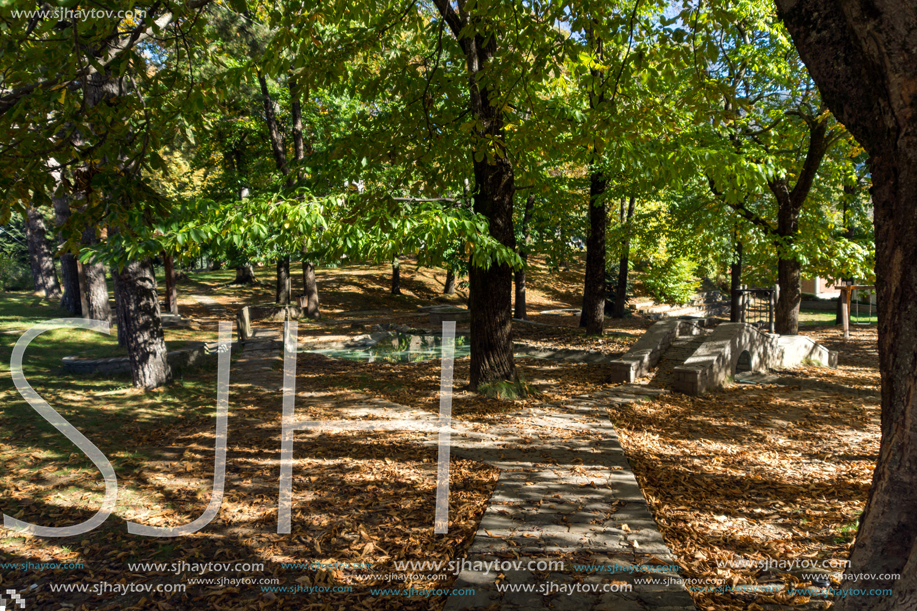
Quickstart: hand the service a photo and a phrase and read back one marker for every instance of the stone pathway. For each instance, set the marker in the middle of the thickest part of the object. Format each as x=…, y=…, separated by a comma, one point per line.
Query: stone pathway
x=680, y=350
x=566, y=493
x=572, y=497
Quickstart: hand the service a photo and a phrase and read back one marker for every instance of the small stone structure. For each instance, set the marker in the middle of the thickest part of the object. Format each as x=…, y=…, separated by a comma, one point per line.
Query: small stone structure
x=741, y=346
x=439, y=314
x=730, y=347
x=178, y=359
x=273, y=313
x=646, y=352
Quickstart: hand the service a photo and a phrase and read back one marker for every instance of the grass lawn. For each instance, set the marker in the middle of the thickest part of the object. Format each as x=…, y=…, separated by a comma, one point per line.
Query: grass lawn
x=827, y=317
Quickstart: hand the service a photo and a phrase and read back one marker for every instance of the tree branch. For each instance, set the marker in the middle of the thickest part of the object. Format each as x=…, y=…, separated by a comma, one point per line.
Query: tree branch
x=123, y=45
x=454, y=22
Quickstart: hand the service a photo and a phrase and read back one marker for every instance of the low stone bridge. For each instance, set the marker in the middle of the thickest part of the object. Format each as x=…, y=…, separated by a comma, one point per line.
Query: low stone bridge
x=716, y=355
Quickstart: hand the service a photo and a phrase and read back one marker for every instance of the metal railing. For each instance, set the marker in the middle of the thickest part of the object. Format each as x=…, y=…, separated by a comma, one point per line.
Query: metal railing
x=756, y=307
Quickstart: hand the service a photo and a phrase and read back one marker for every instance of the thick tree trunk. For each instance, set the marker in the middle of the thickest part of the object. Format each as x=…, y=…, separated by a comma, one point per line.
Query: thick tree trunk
x=95, y=289
x=309, y=300
x=396, y=276
x=861, y=55
x=735, y=283
x=168, y=265
x=283, y=287
x=789, y=278
x=70, y=273
x=146, y=345
x=40, y=260
x=492, y=288
x=449, y=288
x=593, y=313
x=623, y=262
x=887, y=537
x=245, y=274
x=519, y=274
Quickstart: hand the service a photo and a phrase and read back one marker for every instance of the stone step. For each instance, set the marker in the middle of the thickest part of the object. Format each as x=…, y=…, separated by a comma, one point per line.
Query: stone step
x=705, y=310
x=698, y=300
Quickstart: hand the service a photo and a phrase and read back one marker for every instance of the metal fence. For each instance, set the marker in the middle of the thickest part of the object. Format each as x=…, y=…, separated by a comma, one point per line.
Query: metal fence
x=756, y=307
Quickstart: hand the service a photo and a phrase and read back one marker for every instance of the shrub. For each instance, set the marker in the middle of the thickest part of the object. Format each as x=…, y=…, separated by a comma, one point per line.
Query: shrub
x=15, y=275
x=672, y=280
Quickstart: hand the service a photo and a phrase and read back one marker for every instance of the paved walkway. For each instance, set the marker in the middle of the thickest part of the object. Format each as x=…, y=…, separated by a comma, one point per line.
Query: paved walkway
x=217, y=308
x=571, y=496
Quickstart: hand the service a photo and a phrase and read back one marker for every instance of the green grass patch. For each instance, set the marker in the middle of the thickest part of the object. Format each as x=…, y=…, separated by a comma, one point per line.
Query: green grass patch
x=828, y=317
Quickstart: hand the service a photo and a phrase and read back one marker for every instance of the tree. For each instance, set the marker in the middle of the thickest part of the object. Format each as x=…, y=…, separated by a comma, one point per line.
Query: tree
x=861, y=55
x=396, y=276
x=519, y=274
x=592, y=315
x=764, y=115
x=70, y=271
x=146, y=347
x=624, y=220
x=40, y=259
x=491, y=287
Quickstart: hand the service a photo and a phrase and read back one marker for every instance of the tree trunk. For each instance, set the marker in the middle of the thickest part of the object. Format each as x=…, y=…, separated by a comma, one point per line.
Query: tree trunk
x=309, y=299
x=92, y=280
x=491, y=288
x=789, y=204
x=40, y=259
x=168, y=265
x=120, y=312
x=299, y=148
x=245, y=274
x=283, y=287
x=789, y=278
x=216, y=265
x=519, y=274
x=790, y=297
x=593, y=314
x=520, y=308
x=624, y=261
x=861, y=55
x=273, y=127
x=735, y=283
x=396, y=276
x=146, y=345
x=70, y=273
x=449, y=288
x=849, y=192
